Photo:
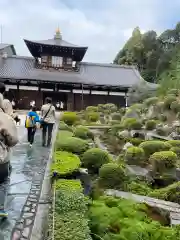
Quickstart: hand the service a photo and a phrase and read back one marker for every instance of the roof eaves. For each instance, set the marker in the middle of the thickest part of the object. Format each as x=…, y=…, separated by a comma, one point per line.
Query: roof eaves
x=108, y=65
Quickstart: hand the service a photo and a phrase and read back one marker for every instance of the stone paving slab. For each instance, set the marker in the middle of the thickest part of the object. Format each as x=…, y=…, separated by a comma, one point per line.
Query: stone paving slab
x=28, y=166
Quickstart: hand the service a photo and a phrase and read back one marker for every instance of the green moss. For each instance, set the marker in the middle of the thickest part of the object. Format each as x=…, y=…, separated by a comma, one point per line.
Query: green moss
x=65, y=163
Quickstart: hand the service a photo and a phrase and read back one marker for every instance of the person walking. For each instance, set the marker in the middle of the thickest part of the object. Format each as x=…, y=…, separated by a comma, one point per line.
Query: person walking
x=31, y=124
x=47, y=121
x=8, y=139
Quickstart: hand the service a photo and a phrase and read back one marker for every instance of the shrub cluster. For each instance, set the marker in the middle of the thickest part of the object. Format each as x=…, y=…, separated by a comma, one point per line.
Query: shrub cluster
x=150, y=124
x=116, y=116
x=135, y=156
x=73, y=145
x=69, y=118
x=83, y=132
x=94, y=158
x=163, y=161
x=92, y=116
x=174, y=92
x=112, y=175
x=92, y=109
x=150, y=101
x=175, y=106
x=65, y=163
x=168, y=101
x=132, y=124
x=64, y=126
x=174, y=143
x=151, y=147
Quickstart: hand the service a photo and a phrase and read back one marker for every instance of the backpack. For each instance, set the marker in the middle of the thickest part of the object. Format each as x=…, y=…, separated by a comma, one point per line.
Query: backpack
x=30, y=122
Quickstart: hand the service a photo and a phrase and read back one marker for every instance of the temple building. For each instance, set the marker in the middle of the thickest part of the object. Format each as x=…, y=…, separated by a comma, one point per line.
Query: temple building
x=56, y=69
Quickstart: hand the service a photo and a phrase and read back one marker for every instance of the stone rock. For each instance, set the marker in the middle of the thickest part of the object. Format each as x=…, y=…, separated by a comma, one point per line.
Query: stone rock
x=131, y=113
x=127, y=145
x=124, y=133
x=174, y=136
x=175, y=124
x=137, y=134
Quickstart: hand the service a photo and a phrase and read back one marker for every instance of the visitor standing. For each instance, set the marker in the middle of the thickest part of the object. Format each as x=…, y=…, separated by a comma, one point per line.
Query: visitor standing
x=31, y=124
x=8, y=139
x=47, y=121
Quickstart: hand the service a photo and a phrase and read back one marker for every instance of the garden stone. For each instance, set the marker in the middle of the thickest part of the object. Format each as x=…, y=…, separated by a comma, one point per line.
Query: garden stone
x=127, y=145
x=139, y=171
x=174, y=136
x=124, y=134
x=137, y=134
x=131, y=114
x=175, y=124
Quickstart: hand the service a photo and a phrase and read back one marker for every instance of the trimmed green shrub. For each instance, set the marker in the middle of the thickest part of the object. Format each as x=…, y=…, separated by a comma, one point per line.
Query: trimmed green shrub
x=116, y=116
x=110, y=107
x=112, y=175
x=174, y=143
x=68, y=185
x=168, y=100
x=94, y=158
x=132, y=124
x=169, y=193
x=135, y=141
x=69, y=118
x=73, y=144
x=92, y=109
x=150, y=125
x=135, y=156
x=65, y=163
x=162, y=118
x=151, y=101
x=140, y=188
x=64, y=126
x=136, y=106
x=151, y=147
x=92, y=116
x=175, y=106
x=176, y=150
x=122, y=111
x=83, y=132
x=161, y=161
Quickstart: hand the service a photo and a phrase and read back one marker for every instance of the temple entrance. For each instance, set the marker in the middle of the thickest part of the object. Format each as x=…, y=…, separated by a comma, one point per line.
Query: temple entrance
x=59, y=99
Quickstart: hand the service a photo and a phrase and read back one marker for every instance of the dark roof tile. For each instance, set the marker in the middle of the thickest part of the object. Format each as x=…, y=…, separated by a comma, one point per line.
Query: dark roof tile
x=90, y=73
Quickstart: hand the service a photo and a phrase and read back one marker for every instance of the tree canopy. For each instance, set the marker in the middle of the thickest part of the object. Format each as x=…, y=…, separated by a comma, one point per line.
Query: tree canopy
x=156, y=57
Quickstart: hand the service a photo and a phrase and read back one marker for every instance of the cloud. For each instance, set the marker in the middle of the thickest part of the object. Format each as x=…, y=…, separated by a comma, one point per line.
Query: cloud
x=102, y=25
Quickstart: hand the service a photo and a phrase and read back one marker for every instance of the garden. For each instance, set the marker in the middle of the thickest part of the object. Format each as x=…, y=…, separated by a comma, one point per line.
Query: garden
x=104, y=150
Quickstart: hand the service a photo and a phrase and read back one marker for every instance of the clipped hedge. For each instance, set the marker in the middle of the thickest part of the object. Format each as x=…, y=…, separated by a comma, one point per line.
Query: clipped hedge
x=69, y=118
x=176, y=150
x=70, y=213
x=69, y=185
x=175, y=106
x=94, y=158
x=92, y=109
x=162, y=161
x=83, y=132
x=151, y=147
x=174, y=143
x=132, y=124
x=72, y=144
x=64, y=126
x=135, y=156
x=92, y=116
x=112, y=175
x=150, y=124
x=65, y=163
x=168, y=101
x=151, y=101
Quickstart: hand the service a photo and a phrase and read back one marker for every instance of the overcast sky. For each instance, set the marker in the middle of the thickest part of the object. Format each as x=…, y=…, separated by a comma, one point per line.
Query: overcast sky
x=102, y=25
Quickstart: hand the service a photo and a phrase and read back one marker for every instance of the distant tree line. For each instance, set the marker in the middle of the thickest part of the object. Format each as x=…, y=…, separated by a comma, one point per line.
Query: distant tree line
x=156, y=57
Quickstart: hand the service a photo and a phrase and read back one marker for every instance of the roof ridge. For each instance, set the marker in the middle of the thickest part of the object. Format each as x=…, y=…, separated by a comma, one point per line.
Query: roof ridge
x=108, y=65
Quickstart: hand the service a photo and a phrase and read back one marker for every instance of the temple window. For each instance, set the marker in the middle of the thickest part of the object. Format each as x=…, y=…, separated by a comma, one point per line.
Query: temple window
x=57, y=61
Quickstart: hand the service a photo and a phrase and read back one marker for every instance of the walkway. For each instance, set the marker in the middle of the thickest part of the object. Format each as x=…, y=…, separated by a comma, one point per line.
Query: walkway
x=25, y=186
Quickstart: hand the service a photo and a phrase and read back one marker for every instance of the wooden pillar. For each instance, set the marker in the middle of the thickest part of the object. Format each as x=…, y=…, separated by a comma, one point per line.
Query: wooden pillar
x=70, y=101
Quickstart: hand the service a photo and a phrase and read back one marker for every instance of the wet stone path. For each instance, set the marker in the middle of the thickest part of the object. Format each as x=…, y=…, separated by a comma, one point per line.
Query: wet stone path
x=28, y=167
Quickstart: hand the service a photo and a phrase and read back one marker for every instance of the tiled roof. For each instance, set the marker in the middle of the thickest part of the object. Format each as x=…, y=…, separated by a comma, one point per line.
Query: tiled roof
x=90, y=73
x=55, y=42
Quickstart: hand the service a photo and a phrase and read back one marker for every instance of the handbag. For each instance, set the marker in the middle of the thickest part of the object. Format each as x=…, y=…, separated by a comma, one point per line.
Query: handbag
x=42, y=119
